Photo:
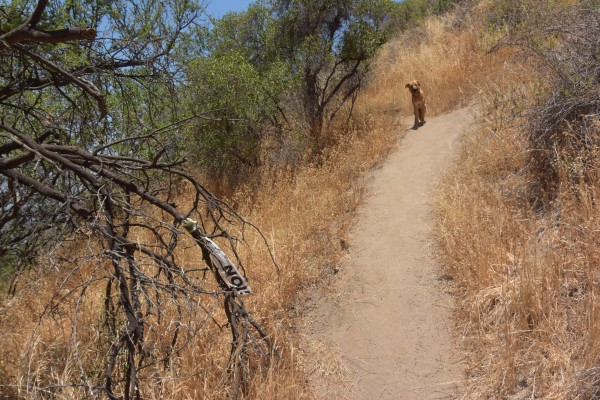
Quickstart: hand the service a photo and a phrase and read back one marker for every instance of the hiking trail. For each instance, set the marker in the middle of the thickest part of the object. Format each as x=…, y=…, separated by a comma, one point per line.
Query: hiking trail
x=388, y=315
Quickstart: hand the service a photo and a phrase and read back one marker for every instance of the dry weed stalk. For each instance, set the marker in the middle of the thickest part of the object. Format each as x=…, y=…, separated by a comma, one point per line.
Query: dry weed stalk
x=304, y=228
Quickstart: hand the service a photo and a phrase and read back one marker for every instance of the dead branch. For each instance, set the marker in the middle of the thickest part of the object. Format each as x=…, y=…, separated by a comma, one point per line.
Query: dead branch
x=68, y=176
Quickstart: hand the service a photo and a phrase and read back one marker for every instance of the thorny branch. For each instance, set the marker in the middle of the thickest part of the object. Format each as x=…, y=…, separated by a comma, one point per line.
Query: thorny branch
x=69, y=176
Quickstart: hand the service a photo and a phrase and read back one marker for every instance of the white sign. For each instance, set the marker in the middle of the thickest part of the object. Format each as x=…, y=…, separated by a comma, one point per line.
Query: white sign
x=225, y=267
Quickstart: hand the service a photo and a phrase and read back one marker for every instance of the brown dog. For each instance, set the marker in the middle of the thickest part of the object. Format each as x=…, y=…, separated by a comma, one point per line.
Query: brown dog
x=418, y=101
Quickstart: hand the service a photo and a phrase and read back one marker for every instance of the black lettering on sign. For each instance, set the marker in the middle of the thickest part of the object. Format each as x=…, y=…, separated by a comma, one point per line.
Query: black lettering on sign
x=226, y=269
x=229, y=270
x=237, y=281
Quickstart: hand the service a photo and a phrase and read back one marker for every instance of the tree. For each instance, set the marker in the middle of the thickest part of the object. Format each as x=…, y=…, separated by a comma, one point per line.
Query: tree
x=244, y=82
x=278, y=66
x=86, y=155
x=330, y=45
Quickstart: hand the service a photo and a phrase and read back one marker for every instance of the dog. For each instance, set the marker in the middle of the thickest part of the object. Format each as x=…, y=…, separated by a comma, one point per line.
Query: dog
x=418, y=101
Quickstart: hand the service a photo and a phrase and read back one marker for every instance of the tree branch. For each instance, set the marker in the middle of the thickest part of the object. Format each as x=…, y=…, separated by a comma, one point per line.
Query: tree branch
x=44, y=190
x=37, y=13
x=27, y=31
x=341, y=82
x=83, y=84
x=22, y=34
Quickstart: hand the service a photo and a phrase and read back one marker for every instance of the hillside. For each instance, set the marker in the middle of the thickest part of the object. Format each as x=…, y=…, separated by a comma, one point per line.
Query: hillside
x=517, y=219
x=515, y=222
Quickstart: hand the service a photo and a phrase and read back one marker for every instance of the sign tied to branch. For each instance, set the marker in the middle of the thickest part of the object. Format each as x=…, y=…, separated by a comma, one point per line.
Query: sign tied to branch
x=224, y=266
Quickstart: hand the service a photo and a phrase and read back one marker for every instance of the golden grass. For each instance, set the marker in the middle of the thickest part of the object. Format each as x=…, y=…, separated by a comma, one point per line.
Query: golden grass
x=527, y=280
x=445, y=60
x=305, y=218
x=528, y=299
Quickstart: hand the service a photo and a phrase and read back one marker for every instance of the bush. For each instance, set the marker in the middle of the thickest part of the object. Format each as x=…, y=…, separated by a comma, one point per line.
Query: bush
x=564, y=129
x=564, y=42
x=241, y=100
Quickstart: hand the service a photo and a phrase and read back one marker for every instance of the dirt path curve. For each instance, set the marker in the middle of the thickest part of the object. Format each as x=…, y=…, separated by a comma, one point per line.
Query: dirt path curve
x=389, y=319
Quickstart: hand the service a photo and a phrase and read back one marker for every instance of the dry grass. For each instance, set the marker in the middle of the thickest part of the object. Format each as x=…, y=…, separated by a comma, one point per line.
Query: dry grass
x=304, y=216
x=445, y=59
x=528, y=283
x=527, y=278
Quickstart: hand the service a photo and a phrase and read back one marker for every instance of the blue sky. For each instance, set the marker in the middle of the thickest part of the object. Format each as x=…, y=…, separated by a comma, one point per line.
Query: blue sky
x=217, y=8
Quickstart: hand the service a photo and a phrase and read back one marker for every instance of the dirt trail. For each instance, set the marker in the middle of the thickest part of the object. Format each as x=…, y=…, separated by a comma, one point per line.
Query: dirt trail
x=389, y=316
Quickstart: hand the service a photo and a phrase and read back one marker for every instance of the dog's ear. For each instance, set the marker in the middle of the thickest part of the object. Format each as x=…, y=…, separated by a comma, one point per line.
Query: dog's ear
x=418, y=83
x=407, y=85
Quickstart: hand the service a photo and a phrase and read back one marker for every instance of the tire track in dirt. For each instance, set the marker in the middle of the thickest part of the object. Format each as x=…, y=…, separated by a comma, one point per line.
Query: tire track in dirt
x=389, y=313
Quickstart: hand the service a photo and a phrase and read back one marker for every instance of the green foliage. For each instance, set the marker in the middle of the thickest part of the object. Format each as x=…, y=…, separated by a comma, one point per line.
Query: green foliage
x=367, y=30
x=239, y=84
x=250, y=33
x=441, y=6
x=7, y=272
x=240, y=99
x=12, y=15
x=278, y=59
x=134, y=62
x=411, y=11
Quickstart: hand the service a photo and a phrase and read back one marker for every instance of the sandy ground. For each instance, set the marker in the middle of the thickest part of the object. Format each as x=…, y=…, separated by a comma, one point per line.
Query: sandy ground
x=387, y=317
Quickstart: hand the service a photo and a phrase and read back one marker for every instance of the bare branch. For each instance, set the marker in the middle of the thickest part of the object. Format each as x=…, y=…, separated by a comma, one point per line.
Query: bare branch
x=111, y=188
x=37, y=13
x=83, y=84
